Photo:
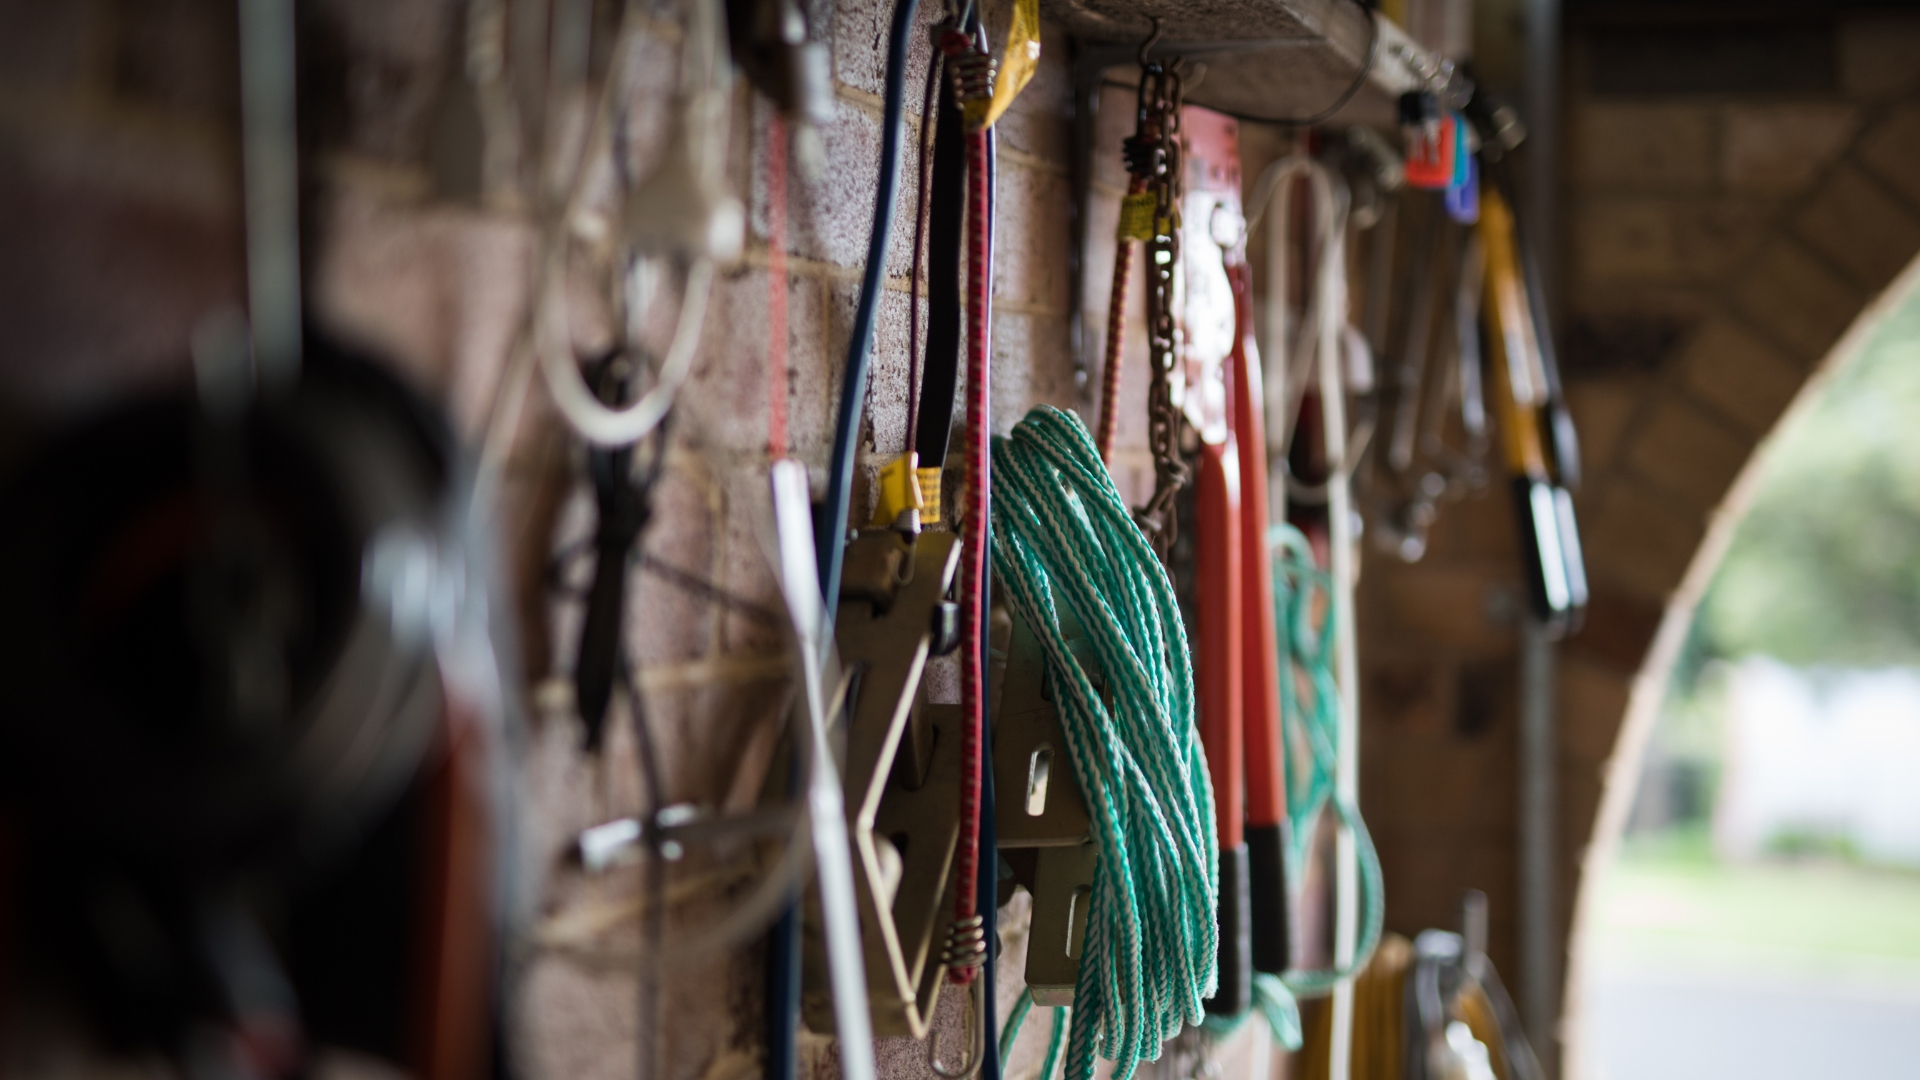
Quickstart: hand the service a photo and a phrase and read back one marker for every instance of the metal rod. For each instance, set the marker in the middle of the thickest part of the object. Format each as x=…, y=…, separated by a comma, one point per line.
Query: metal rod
x=1539, y=822
x=832, y=851
x=270, y=159
x=1541, y=198
x=1539, y=929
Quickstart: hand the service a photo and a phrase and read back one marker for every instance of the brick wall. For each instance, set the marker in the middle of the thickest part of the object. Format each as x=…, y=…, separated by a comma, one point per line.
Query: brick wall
x=119, y=196
x=1716, y=243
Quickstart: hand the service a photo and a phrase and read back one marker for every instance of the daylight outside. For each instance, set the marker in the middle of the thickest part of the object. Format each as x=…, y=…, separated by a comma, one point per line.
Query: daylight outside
x=1762, y=918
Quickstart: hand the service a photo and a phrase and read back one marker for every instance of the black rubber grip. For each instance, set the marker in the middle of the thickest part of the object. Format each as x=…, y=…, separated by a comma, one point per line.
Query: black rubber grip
x=1268, y=902
x=1236, y=946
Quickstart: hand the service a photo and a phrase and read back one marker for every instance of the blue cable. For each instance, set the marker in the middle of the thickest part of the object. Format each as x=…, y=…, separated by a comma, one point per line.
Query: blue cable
x=829, y=531
x=830, y=528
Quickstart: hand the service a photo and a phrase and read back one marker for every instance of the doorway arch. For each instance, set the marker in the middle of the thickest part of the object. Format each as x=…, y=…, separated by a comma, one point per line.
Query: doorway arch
x=1663, y=505
x=1671, y=447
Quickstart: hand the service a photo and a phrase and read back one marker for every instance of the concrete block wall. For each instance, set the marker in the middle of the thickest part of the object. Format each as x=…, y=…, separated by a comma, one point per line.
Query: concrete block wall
x=120, y=199
x=1715, y=248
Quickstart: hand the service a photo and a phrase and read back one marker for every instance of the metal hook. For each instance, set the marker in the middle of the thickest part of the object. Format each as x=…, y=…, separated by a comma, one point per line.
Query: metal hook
x=1148, y=44
x=976, y=1030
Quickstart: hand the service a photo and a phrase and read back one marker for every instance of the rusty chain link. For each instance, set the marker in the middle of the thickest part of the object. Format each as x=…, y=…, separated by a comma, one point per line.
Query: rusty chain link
x=1154, y=153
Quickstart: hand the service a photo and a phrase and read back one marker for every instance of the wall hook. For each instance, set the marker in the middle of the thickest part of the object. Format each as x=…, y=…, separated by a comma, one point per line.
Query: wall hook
x=1147, y=45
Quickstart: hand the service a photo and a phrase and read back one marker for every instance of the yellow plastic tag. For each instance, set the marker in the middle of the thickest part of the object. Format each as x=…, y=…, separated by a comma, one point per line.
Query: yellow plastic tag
x=930, y=491
x=899, y=490
x=1136, y=216
x=1023, y=55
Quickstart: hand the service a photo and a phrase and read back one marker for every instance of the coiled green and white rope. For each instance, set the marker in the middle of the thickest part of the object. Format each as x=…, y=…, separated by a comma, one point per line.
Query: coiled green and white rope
x=1304, y=618
x=1062, y=534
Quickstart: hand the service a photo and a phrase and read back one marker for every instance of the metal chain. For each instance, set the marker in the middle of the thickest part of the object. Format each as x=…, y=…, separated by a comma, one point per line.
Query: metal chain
x=1154, y=152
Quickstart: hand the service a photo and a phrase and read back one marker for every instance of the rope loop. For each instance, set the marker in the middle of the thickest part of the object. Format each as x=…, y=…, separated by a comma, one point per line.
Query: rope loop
x=1063, y=534
x=1303, y=615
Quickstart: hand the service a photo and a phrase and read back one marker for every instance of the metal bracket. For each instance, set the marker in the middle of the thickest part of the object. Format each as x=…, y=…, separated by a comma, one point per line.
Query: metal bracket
x=1041, y=811
x=902, y=777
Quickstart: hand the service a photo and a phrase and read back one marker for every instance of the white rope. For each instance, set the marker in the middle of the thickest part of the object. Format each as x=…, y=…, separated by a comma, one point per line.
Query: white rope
x=596, y=422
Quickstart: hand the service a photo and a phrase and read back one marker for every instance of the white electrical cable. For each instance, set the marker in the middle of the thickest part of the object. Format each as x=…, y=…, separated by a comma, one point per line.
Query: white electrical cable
x=1346, y=782
x=547, y=343
x=1324, y=319
x=1293, y=352
x=826, y=802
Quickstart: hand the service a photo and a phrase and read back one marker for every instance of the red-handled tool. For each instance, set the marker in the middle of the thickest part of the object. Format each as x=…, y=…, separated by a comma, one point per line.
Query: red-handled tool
x=1266, y=826
x=1219, y=683
x=1213, y=237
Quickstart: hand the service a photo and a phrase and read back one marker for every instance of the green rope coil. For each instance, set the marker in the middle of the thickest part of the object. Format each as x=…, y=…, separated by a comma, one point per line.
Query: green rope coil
x=1062, y=534
x=1056, y=1037
x=1274, y=1003
x=1300, y=589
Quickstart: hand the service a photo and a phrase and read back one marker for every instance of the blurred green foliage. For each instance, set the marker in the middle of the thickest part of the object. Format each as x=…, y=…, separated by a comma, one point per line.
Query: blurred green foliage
x=1825, y=568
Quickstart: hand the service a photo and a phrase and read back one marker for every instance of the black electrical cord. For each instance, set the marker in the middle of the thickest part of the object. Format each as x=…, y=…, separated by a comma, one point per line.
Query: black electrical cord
x=940, y=373
x=989, y=889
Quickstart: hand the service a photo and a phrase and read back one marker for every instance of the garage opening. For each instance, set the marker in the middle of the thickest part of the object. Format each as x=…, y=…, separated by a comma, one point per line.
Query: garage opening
x=1759, y=916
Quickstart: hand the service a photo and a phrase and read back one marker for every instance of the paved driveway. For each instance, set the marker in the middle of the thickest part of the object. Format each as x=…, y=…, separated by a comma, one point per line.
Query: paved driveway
x=1650, y=1024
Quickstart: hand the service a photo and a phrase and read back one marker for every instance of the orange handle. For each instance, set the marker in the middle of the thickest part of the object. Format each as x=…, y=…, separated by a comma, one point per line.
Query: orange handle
x=1266, y=778
x=1221, y=641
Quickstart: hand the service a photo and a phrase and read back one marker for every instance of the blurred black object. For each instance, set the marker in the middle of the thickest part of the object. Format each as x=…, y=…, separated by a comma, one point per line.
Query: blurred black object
x=218, y=690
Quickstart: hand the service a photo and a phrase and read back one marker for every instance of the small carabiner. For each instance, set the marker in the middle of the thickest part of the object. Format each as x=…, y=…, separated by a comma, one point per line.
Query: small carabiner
x=976, y=1033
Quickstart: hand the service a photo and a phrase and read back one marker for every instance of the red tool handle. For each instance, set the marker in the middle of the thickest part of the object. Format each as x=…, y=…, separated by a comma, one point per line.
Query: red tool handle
x=1220, y=660
x=1221, y=640
x=1266, y=779
x=1269, y=899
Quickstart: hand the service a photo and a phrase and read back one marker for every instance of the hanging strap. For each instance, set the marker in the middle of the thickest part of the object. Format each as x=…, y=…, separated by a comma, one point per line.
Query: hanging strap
x=946, y=219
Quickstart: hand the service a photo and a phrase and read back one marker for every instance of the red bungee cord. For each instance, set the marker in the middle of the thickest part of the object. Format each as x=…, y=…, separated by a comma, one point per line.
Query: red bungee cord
x=973, y=82
x=1116, y=334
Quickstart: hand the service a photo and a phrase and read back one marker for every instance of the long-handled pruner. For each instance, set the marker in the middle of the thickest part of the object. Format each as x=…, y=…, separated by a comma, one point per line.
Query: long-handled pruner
x=1214, y=331
x=1269, y=904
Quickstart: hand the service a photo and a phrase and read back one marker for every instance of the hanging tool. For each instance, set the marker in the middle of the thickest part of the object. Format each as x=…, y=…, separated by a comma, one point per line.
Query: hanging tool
x=1414, y=468
x=682, y=212
x=1538, y=438
x=1455, y=1008
x=1269, y=900
x=1209, y=323
x=1550, y=544
x=774, y=45
x=902, y=765
x=625, y=507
